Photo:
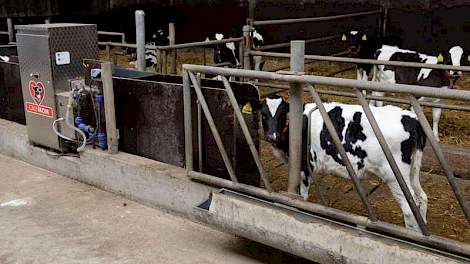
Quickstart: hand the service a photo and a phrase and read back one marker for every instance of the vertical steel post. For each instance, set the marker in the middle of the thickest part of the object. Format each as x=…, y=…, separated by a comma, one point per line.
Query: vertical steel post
x=140, y=38
x=440, y=156
x=199, y=130
x=251, y=12
x=241, y=54
x=188, y=127
x=164, y=62
x=172, y=39
x=246, y=47
x=391, y=160
x=108, y=52
x=295, y=116
x=11, y=31
x=384, y=22
x=47, y=20
x=108, y=92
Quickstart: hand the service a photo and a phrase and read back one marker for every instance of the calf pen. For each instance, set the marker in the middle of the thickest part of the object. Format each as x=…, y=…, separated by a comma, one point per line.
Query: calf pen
x=298, y=80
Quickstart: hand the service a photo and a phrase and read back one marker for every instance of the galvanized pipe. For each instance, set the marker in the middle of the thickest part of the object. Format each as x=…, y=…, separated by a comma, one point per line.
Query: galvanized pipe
x=313, y=19
x=11, y=30
x=365, y=61
x=110, y=115
x=416, y=90
x=440, y=243
x=393, y=164
x=296, y=102
x=199, y=130
x=140, y=39
x=344, y=157
x=188, y=127
x=118, y=44
x=282, y=87
x=196, y=44
x=308, y=62
x=246, y=133
x=440, y=156
x=172, y=39
x=247, y=47
x=111, y=33
x=287, y=44
x=213, y=127
x=164, y=54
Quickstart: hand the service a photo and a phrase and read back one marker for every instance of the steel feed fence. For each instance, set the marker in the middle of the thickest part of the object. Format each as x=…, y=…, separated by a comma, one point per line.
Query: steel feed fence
x=308, y=83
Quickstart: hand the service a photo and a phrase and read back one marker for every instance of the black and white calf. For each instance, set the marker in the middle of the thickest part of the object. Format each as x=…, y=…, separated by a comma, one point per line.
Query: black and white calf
x=226, y=52
x=401, y=129
x=363, y=47
x=159, y=38
x=415, y=76
x=258, y=61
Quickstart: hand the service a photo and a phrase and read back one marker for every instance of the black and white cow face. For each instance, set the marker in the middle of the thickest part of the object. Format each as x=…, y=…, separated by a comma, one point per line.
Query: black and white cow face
x=355, y=41
x=454, y=56
x=274, y=111
x=160, y=38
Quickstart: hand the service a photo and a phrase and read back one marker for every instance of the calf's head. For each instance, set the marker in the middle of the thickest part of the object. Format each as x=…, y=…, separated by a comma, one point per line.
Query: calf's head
x=257, y=39
x=274, y=111
x=454, y=56
x=355, y=40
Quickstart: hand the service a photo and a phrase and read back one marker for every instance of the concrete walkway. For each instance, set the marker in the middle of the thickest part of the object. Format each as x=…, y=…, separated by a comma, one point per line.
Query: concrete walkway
x=47, y=218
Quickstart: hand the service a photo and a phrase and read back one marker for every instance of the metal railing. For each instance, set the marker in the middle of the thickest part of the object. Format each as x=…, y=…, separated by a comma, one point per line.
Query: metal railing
x=297, y=79
x=314, y=19
x=115, y=34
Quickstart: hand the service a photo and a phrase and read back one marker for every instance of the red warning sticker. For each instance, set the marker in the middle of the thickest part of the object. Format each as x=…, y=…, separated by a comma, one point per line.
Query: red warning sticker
x=37, y=92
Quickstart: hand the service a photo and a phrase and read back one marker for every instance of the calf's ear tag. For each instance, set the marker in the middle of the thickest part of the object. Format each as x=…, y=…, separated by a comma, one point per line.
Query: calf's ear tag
x=440, y=58
x=364, y=38
x=247, y=109
x=343, y=38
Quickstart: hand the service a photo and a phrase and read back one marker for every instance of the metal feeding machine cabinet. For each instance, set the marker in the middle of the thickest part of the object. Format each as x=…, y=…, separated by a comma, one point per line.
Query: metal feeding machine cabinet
x=50, y=57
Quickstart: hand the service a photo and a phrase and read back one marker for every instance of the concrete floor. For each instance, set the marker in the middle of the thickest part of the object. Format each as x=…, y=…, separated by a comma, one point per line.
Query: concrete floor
x=47, y=218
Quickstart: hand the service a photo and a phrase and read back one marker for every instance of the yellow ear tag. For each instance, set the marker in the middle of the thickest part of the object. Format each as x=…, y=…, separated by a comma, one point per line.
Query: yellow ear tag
x=247, y=109
x=343, y=38
x=440, y=58
x=364, y=38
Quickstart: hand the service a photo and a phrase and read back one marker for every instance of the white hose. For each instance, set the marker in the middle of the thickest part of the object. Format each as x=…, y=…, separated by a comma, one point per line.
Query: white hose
x=67, y=121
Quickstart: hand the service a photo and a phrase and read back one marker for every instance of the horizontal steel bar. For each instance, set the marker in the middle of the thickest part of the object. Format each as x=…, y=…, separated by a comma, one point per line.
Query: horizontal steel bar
x=118, y=44
x=197, y=44
x=365, y=61
x=309, y=62
x=365, y=85
x=308, y=41
x=287, y=44
x=313, y=19
x=4, y=32
x=448, y=245
x=282, y=87
x=110, y=33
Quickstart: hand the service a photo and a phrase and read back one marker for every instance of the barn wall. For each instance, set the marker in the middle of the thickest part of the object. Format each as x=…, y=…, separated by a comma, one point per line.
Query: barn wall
x=426, y=25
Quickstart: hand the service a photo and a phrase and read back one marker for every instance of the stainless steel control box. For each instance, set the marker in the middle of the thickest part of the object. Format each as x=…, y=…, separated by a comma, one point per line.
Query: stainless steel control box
x=50, y=55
